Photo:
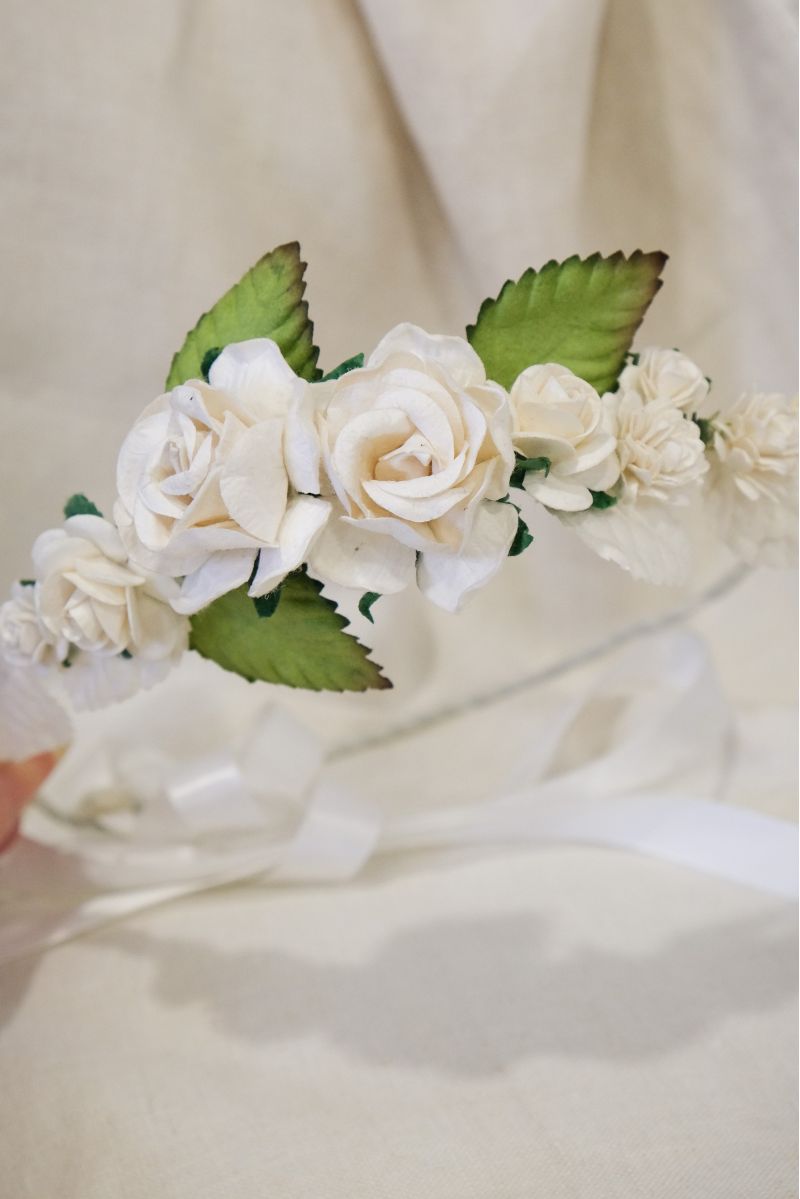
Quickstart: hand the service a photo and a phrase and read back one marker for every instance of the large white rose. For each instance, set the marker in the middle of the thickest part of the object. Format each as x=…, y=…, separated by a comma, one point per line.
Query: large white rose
x=754, y=476
x=91, y=597
x=662, y=462
x=209, y=476
x=417, y=453
x=558, y=416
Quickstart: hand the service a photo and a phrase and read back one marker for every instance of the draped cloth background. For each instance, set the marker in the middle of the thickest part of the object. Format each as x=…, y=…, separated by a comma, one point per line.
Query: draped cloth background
x=559, y=1023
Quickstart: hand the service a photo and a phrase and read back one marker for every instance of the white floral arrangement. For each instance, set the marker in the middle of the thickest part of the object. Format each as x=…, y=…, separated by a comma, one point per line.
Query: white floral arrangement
x=255, y=480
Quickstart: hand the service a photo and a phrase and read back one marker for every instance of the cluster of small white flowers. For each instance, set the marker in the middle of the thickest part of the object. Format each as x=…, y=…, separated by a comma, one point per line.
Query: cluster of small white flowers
x=106, y=623
x=395, y=471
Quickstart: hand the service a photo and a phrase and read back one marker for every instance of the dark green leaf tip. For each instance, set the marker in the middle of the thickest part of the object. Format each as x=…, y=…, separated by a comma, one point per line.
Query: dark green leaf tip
x=365, y=604
x=524, y=465
x=209, y=358
x=266, y=605
x=522, y=539
x=79, y=505
x=27, y=582
x=601, y=499
x=706, y=427
x=344, y=368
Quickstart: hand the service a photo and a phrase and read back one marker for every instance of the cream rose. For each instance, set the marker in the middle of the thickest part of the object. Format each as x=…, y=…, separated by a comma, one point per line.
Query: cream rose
x=417, y=453
x=91, y=597
x=560, y=417
x=754, y=475
x=209, y=478
x=666, y=375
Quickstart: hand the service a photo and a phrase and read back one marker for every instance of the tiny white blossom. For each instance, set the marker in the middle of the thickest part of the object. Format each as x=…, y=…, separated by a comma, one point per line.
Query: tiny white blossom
x=754, y=476
x=658, y=374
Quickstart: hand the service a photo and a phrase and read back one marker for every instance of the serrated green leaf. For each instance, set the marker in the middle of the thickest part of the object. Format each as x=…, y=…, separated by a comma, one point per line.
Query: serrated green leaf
x=344, y=368
x=79, y=505
x=581, y=313
x=266, y=302
x=302, y=645
x=365, y=604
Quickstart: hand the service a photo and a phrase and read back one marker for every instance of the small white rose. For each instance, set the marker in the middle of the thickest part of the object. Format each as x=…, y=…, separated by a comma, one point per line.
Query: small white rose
x=417, y=453
x=660, y=452
x=649, y=531
x=558, y=416
x=24, y=639
x=91, y=597
x=754, y=475
x=210, y=475
x=667, y=375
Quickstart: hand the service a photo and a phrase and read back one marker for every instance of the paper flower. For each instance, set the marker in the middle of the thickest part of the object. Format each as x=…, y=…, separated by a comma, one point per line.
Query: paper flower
x=204, y=483
x=658, y=374
x=417, y=453
x=92, y=598
x=754, y=476
x=560, y=417
x=662, y=462
x=255, y=480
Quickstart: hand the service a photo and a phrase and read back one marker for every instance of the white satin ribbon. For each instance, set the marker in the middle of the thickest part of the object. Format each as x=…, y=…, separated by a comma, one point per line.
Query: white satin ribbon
x=270, y=810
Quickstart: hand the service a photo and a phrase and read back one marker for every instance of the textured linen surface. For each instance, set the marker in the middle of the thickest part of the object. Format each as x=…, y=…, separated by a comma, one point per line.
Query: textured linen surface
x=560, y=1023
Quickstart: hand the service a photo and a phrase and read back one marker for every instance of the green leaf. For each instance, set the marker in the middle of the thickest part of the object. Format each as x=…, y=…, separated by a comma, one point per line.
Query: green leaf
x=78, y=505
x=524, y=465
x=601, y=499
x=302, y=645
x=522, y=538
x=581, y=313
x=27, y=582
x=349, y=364
x=706, y=427
x=366, y=602
x=209, y=358
x=267, y=605
x=266, y=302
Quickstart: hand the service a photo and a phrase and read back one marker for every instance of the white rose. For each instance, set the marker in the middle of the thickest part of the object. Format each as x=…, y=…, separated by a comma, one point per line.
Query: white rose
x=558, y=416
x=754, y=475
x=210, y=475
x=24, y=640
x=666, y=375
x=417, y=451
x=89, y=596
x=649, y=531
x=660, y=452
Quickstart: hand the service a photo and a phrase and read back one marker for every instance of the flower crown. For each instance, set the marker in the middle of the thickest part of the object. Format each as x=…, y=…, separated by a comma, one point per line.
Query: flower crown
x=255, y=480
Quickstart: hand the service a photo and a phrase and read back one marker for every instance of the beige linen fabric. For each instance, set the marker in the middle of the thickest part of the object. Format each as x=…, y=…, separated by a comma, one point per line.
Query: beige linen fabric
x=558, y=1024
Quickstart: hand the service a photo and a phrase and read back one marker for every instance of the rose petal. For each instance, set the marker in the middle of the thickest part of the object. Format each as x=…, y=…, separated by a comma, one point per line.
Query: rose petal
x=446, y=578
x=347, y=554
x=257, y=375
x=254, y=485
x=220, y=573
x=305, y=517
x=453, y=355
